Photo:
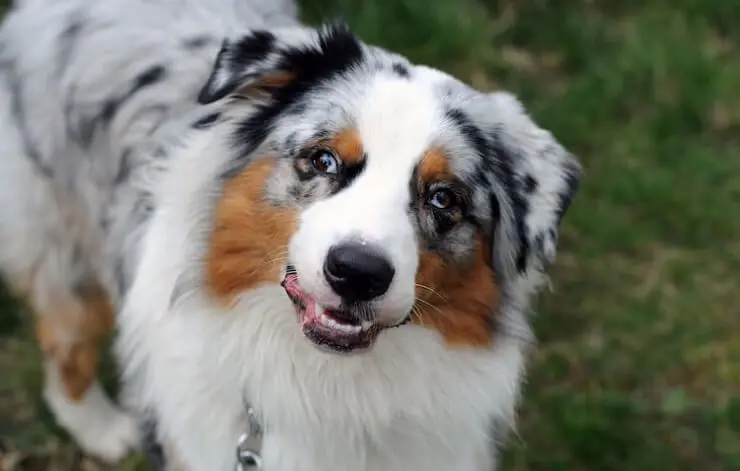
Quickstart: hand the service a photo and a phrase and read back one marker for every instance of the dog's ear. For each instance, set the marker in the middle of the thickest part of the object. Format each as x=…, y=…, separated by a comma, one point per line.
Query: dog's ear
x=533, y=181
x=241, y=63
x=263, y=62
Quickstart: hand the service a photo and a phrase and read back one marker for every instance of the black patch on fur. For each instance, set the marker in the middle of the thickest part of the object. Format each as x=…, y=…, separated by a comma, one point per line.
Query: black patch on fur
x=351, y=172
x=145, y=79
x=414, y=189
x=204, y=122
x=298, y=108
x=124, y=167
x=495, y=209
x=109, y=110
x=529, y=184
x=197, y=42
x=443, y=222
x=338, y=51
x=495, y=160
x=401, y=70
x=252, y=48
x=233, y=60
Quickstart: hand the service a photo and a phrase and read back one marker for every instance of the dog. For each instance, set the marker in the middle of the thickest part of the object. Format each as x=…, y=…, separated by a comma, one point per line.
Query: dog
x=314, y=252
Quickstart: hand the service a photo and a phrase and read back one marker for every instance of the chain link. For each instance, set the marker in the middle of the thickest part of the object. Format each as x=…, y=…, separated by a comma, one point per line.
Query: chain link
x=248, y=459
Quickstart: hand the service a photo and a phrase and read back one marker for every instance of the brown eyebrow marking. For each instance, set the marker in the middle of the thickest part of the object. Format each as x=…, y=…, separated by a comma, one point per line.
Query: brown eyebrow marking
x=434, y=166
x=348, y=146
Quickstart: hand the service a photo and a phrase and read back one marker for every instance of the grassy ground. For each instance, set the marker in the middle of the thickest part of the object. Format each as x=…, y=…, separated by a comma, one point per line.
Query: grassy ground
x=639, y=363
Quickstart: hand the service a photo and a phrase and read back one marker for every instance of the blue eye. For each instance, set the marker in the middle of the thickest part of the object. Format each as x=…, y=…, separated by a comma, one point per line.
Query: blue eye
x=443, y=199
x=324, y=161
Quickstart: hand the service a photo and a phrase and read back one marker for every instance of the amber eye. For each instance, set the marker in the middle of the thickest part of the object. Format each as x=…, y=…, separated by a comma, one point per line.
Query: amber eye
x=443, y=199
x=324, y=161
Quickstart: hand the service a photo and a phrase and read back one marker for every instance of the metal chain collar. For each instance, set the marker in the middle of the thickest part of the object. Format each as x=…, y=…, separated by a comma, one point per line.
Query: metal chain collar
x=247, y=458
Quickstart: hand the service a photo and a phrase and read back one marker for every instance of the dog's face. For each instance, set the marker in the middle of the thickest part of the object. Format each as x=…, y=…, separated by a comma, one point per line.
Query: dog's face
x=378, y=192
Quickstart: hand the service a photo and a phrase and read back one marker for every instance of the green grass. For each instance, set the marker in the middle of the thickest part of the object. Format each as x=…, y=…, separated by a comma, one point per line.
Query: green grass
x=638, y=366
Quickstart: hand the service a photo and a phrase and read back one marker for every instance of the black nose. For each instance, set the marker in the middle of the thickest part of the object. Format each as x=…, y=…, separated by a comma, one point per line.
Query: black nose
x=357, y=272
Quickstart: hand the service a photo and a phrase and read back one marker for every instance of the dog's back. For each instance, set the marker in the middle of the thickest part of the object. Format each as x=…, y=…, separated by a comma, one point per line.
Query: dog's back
x=87, y=90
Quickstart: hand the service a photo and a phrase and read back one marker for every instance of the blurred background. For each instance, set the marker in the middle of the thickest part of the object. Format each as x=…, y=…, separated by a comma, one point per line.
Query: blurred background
x=638, y=366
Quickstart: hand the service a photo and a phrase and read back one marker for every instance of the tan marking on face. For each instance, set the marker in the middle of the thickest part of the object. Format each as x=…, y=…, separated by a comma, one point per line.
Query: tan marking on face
x=71, y=338
x=434, y=166
x=348, y=146
x=457, y=301
x=250, y=236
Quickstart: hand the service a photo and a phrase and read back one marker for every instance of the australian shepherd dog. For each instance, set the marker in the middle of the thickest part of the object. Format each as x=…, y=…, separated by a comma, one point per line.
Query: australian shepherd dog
x=300, y=239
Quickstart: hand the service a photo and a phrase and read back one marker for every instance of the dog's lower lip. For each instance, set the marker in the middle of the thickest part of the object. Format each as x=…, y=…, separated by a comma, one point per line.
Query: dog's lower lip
x=331, y=329
x=327, y=332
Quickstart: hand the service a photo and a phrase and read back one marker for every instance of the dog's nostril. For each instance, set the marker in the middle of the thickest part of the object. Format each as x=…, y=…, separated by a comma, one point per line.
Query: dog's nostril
x=357, y=272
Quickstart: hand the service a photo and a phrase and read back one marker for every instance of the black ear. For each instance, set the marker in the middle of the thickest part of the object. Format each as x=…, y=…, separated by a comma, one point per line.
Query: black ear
x=294, y=58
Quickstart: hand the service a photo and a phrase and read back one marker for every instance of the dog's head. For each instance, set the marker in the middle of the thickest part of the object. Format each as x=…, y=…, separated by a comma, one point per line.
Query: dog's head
x=376, y=191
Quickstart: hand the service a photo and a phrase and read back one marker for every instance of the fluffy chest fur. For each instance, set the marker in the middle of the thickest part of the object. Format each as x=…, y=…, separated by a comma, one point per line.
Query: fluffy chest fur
x=411, y=404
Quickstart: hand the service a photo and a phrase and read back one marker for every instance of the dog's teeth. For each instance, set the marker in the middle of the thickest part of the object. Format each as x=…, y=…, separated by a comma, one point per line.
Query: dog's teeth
x=332, y=324
x=366, y=325
x=350, y=329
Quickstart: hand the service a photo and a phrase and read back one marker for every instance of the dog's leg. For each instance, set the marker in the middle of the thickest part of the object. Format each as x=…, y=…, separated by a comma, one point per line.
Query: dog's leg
x=70, y=326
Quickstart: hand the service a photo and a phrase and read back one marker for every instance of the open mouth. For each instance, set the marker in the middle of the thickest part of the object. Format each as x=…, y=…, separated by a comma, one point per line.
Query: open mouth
x=332, y=329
